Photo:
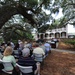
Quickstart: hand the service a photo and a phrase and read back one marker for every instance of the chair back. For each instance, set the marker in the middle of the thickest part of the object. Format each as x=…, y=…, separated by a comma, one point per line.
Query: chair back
x=0, y=60
x=38, y=57
x=6, y=64
x=1, y=55
x=25, y=69
x=16, y=53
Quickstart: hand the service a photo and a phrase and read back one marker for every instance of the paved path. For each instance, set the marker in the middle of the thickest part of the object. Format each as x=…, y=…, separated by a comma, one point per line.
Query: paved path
x=59, y=50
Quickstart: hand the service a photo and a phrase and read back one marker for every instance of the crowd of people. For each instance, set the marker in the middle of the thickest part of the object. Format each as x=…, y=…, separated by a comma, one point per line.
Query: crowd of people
x=26, y=50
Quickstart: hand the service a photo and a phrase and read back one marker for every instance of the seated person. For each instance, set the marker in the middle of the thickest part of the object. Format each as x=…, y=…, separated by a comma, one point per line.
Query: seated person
x=39, y=55
x=2, y=47
x=7, y=56
x=26, y=60
x=38, y=50
x=16, y=46
x=43, y=47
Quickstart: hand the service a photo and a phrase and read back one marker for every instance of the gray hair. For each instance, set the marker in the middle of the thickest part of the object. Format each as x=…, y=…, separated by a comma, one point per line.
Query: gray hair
x=25, y=52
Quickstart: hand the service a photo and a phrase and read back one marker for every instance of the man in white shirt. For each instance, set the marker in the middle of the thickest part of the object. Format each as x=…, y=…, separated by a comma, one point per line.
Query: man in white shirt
x=39, y=50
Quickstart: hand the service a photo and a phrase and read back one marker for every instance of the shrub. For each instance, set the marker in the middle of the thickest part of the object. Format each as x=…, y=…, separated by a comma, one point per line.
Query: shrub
x=70, y=42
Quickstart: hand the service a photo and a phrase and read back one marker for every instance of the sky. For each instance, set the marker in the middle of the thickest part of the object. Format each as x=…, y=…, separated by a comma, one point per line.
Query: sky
x=55, y=16
x=59, y=15
x=71, y=29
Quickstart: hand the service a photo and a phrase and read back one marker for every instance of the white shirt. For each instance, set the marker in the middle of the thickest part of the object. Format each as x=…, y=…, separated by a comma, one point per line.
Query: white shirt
x=39, y=50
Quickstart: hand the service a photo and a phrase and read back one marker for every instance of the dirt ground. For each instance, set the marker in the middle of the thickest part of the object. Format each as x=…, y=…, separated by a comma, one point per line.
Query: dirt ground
x=59, y=63
x=67, y=46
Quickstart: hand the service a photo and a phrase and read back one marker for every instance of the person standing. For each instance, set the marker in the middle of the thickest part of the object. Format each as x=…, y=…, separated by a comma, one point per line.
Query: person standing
x=47, y=47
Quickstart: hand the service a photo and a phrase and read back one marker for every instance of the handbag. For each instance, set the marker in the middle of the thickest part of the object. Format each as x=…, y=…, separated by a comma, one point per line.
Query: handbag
x=15, y=71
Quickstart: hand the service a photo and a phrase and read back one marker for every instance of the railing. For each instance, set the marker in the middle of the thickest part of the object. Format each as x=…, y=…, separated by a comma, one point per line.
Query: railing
x=58, y=30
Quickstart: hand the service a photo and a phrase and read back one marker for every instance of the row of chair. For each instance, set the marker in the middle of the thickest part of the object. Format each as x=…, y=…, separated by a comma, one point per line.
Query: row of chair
x=37, y=57
x=23, y=69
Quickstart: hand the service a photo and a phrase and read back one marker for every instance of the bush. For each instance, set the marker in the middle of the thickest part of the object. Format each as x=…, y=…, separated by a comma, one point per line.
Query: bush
x=70, y=42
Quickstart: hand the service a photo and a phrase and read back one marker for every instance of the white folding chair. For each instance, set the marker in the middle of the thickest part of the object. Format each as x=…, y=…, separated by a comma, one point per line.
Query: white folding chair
x=6, y=64
x=0, y=60
x=25, y=69
x=38, y=57
x=16, y=53
x=1, y=55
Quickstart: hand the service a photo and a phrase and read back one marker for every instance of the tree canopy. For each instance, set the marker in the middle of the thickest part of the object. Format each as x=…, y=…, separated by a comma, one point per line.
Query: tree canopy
x=8, y=8
x=34, y=12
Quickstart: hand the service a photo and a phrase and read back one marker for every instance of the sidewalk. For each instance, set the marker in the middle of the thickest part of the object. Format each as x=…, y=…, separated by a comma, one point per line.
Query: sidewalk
x=59, y=50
